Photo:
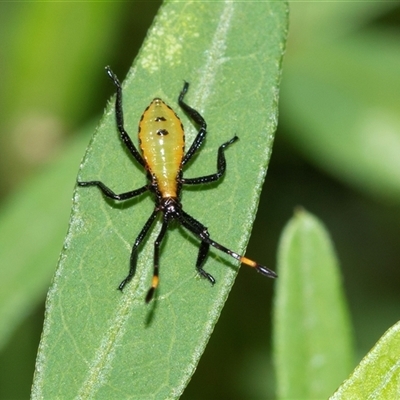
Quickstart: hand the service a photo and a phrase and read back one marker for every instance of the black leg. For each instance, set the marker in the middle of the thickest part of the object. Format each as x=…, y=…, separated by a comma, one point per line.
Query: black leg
x=138, y=241
x=198, y=119
x=109, y=193
x=201, y=258
x=204, y=246
x=119, y=115
x=201, y=231
x=221, y=167
x=157, y=244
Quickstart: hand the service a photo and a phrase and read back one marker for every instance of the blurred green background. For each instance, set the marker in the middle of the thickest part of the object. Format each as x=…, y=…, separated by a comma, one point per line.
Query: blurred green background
x=337, y=153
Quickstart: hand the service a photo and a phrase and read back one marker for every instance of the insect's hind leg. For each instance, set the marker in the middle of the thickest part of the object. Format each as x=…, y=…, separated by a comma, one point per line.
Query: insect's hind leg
x=134, y=254
x=111, y=194
x=119, y=116
x=198, y=119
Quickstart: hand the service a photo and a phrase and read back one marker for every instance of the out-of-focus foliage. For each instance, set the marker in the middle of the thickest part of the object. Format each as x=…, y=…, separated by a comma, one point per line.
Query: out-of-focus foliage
x=308, y=365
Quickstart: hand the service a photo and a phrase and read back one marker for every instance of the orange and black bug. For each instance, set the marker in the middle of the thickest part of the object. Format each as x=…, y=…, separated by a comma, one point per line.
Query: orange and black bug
x=162, y=142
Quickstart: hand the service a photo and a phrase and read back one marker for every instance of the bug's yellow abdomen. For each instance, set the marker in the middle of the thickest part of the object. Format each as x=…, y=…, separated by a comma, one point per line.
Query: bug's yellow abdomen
x=161, y=139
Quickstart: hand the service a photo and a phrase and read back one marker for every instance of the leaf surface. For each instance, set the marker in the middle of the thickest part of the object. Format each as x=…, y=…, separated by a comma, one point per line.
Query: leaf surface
x=30, y=241
x=312, y=336
x=98, y=342
x=377, y=376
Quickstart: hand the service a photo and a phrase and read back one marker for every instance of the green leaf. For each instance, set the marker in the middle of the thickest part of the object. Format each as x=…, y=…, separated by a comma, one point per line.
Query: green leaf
x=377, y=376
x=49, y=27
x=32, y=227
x=34, y=219
x=312, y=335
x=99, y=342
x=341, y=100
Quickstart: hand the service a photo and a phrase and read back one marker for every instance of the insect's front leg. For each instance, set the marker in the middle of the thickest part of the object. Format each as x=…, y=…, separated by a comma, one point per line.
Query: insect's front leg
x=134, y=253
x=201, y=258
x=200, y=230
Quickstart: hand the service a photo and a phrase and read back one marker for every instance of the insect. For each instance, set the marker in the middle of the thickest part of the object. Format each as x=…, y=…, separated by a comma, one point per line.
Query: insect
x=162, y=143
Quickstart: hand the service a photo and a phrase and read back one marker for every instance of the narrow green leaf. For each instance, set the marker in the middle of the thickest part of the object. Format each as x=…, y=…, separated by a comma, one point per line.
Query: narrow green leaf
x=312, y=339
x=341, y=100
x=33, y=223
x=49, y=27
x=34, y=219
x=377, y=376
x=98, y=342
